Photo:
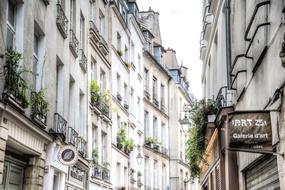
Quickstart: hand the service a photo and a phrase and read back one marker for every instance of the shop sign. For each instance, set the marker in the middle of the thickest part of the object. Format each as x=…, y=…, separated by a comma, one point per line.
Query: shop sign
x=250, y=130
x=68, y=155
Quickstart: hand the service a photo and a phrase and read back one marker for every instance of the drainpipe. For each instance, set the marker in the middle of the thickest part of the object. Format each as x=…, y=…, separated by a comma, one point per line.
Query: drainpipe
x=228, y=41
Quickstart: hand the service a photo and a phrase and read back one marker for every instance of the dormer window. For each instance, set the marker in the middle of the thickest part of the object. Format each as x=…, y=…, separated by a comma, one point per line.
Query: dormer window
x=157, y=53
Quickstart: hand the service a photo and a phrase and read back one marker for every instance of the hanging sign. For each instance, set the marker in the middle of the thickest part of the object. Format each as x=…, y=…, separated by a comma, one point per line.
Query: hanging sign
x=68, y=155
x=250, y=130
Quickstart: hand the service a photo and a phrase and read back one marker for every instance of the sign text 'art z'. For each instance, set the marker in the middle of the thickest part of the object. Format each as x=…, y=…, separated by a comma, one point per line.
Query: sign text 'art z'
x=250, y=130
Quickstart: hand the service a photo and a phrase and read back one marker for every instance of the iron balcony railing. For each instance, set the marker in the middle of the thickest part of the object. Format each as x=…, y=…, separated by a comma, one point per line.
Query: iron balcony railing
x=61, y=21
x=105, y=174
x=146, y=94
x=223, y=98
x=15, y=88
x=104, y=45
x=163, y=108
x=82, y=146
x=95, y=35
x=83, y=60
x=164, y=150
x=73, y=137
x=147, y=188
x=39, y=108
x=155, y=101
x=97, y=171
x=105, y=109
x=73, y=43
x=60, y=125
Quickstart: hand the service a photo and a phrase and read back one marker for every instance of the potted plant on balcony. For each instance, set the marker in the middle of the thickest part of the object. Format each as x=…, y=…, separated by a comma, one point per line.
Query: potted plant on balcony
x=14, y=85
x=120, y=53
x=39, y=106
x=95, y=156
x=196, y=144
x=128, y=146
x=121, y=137
x=95, y=92
x=149, y=141
x=107, y=102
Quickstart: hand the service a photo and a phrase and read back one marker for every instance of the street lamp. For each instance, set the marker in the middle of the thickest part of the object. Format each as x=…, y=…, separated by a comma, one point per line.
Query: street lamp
x=185, y=120
x=139, y=156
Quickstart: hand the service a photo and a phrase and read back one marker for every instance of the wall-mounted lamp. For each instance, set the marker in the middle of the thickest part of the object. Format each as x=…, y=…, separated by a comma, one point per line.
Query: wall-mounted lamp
x=139, y=156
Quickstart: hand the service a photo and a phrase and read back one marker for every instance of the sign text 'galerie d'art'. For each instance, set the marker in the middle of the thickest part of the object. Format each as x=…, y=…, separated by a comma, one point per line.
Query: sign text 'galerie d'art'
x=250, y=130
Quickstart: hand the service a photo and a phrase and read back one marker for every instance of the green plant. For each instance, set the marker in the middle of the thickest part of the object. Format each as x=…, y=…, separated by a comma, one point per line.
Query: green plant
x=121, y=135
x=106, y=164
x=128, y=145
x=149, y=140
x=95, y=155
x=13, y=58
x=95, y=91
x=120, y=53
x=39, y=104
x=196, y=143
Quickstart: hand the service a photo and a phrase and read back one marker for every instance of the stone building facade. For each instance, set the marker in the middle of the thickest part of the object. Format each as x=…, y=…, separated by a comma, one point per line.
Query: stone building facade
x=242, y=54
x=80, y=81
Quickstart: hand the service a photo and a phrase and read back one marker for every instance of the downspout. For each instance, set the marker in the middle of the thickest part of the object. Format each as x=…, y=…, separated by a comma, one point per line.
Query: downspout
x=228, y=41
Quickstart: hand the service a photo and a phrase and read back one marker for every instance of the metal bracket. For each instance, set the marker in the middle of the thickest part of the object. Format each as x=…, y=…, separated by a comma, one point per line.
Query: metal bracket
x=257, y=151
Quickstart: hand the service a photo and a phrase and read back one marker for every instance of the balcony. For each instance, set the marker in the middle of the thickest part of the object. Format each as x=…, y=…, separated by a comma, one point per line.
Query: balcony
x=83, y=61
x=119, y=97
x=105, y=175
x=164, y=150
x=146, y=94
x=147, y=188
x=82, y=147
x=61, y=21
x=39, y=109
x=97, y=171
x=105, y=109
x=72, y=137
x=224, y=97
x=155, y=101
x=163, y=108
x=73, y=43
x=15, y=89
x=94, y=32
x=59, y=127
x=104, y=46
x=126, y=105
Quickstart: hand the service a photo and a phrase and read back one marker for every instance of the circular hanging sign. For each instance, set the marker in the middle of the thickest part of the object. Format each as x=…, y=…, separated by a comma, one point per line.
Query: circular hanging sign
x=68, y=155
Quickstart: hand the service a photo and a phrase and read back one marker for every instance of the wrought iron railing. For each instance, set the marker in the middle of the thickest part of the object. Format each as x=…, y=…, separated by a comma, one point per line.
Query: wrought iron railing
x=97, y=171
x=73, y=43
x=73, y=137
x=83, y=60
x=162, y=107
x=146, y=94
x=82, y=146
x=15, y=88
x=60, y=125
x=105, y=174
x=223, y=98
x=95, y=36
x=164, y=150
x=105, y=108
x=147, y=188
x=61, y=21
x=104, y=45
x=39, y=107
x=155, y=101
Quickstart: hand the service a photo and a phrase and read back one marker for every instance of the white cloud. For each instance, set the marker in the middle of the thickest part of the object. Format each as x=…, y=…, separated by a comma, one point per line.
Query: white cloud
x=180, y=24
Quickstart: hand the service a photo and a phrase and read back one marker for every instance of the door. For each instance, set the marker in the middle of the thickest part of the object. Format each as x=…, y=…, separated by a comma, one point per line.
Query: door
x=12, y=177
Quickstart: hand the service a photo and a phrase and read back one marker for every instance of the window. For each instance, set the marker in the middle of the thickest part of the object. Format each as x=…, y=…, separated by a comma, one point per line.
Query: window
x=93, y=69
x=157, y=53
x=163, y=135
x=119, y=121
x=104, y=146
x=155, y=175
x=146, y=82
x=146, y=124
x=82, y=114
x=82, y=31
x=147, y=177
x=73, y=15
x=94, y=137
x=93, y=12
x=162, y=94
x=36, y=66
x=71, y=116
x=126, y=54
x=102, y=80
x=59, y=88
x=126, y=176
x=118, y=174
x=139, y=109
x=139, y=63
x=155, y=129
x=164, y=177
x=118, y=83
x=126, y=93
x=132, y=106
x=11, y=25
x=119, y=41
x=132, y=53
x=102, y=24
x=154, y=88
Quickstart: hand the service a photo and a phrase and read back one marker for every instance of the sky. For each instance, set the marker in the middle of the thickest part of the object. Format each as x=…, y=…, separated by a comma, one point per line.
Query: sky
x=180, y=25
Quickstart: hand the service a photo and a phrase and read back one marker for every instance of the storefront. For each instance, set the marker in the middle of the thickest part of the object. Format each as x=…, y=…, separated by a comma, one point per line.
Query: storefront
x=262, y=174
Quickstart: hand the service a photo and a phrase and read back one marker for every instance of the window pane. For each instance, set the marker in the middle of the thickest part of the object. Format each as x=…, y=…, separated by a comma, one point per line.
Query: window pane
x=11, y=13
x=9, y=39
